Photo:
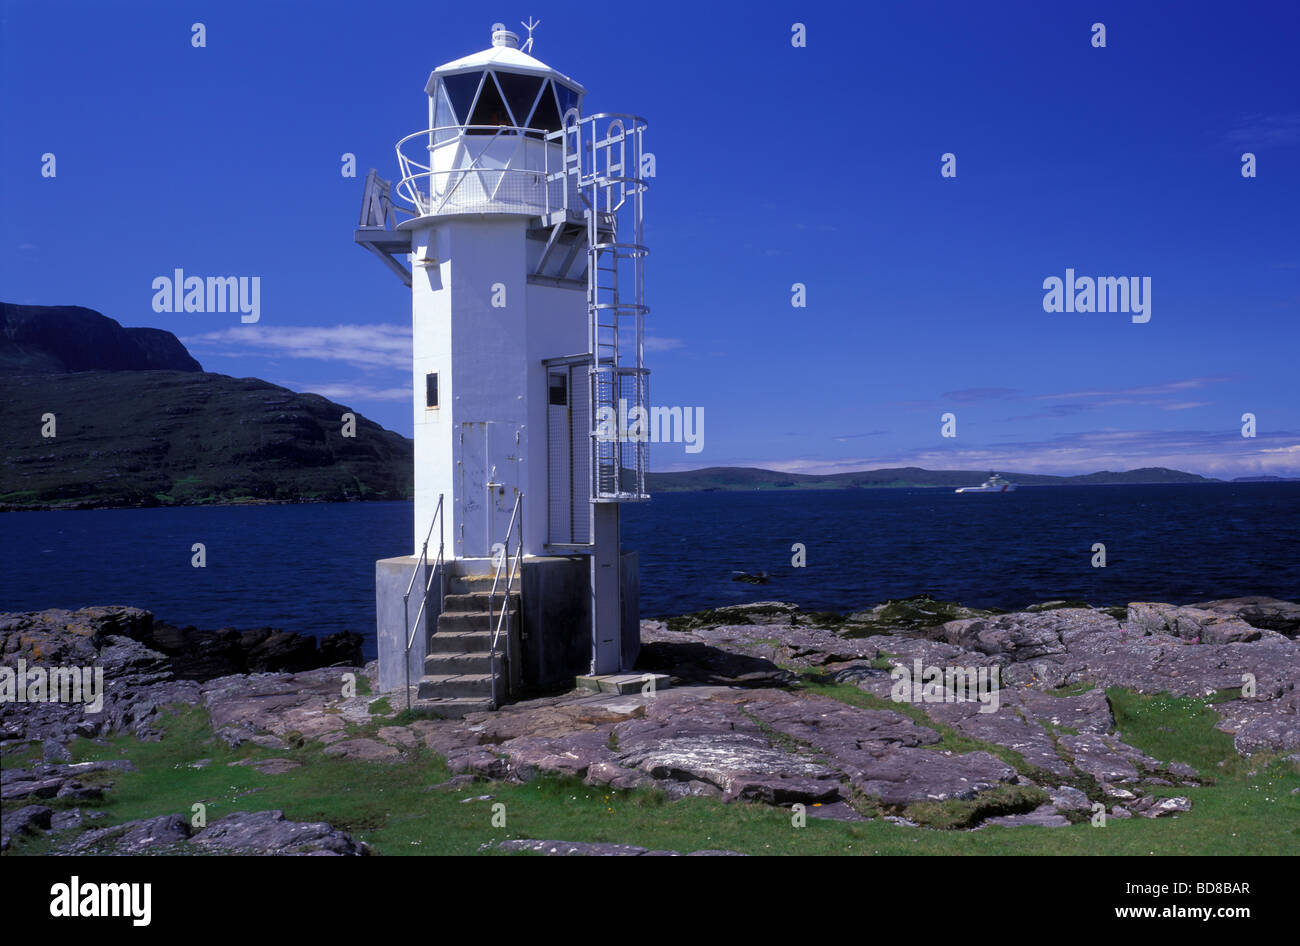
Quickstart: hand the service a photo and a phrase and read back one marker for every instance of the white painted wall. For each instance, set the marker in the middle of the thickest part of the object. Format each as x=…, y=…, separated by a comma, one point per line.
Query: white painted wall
x=431, y=327
x=557, y=326
x=489, y=364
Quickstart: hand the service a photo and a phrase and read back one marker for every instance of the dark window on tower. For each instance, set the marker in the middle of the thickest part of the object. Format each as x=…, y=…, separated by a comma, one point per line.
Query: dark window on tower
x=559, y=391
x=431, y=389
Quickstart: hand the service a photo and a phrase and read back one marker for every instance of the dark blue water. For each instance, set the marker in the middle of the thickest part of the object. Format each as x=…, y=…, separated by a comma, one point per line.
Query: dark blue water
x=310, y=568
x=1180, y=543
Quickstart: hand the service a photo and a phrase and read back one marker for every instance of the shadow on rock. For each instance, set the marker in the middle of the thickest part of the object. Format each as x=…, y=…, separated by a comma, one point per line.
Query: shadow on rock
x=695, y=663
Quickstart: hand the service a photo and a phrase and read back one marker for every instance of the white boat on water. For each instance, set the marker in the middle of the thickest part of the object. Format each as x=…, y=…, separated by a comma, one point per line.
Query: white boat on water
x=994, y=484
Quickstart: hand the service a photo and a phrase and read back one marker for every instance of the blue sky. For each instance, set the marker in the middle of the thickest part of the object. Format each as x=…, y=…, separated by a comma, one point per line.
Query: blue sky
x=775, y=165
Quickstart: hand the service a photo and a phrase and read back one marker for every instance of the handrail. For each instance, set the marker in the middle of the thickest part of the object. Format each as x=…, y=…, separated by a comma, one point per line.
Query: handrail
x=436, y=570
x=511, y=572
x=412, y=170
x=583, y=141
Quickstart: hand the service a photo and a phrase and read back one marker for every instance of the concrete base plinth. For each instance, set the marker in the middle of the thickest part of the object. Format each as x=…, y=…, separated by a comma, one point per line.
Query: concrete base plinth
x=623, y=683
x=557, y=642
x=554, y=640
x=393, y=622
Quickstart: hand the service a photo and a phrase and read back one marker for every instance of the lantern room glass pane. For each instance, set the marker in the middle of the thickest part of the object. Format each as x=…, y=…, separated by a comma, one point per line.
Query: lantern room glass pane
x=547, y=115
x=443, y=115
x=461, y=89
x=568, y=98
x=490, y=109
x=520, y=92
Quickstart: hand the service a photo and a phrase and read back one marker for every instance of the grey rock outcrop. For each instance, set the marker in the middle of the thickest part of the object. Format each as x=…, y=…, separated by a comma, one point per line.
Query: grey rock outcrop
x=268, y=832
x=256, y=833
x=146, y=666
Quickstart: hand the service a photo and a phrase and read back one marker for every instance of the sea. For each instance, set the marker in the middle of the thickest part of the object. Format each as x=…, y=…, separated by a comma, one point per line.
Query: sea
x=310, y=567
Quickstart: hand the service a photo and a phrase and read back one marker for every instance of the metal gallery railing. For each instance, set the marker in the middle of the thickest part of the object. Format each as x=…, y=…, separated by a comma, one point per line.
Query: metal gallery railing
x=498, y=169
x=545, y=171
x=438, y=572
x=509, y=567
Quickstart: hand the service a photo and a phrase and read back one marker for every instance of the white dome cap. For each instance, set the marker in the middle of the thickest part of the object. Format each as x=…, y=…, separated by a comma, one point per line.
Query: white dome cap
x=503, y=54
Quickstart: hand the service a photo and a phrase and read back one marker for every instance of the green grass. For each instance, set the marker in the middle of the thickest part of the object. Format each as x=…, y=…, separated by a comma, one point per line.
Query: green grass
x=1173, y=729
x=965, y=813
x=1250, y=809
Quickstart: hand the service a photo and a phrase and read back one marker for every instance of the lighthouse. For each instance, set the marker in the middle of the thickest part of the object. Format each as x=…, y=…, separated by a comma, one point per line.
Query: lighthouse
x=516, y=221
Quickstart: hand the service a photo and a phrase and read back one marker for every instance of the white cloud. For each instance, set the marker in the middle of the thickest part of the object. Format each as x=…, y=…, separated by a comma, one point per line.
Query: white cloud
x=1219, y=453
x=364, y=346
x=1150, y=390
x=1266, y=130
x=346, y=393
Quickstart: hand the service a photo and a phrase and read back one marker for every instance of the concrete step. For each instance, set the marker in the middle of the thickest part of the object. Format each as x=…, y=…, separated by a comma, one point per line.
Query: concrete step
x=469, y=584
x=463, y=642
x=478, y=601
x=460, y=663
x=472, y=685
x=473, y=621
x=452, y=707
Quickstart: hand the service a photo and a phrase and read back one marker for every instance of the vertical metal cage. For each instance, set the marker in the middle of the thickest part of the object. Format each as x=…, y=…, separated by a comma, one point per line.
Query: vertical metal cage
x=604, y=153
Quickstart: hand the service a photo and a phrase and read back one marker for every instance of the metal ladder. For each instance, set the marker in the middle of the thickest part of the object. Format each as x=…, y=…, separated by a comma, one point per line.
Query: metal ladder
x=603, y=152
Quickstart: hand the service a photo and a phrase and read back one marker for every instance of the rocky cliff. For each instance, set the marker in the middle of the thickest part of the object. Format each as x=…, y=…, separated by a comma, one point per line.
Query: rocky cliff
x=137, y=422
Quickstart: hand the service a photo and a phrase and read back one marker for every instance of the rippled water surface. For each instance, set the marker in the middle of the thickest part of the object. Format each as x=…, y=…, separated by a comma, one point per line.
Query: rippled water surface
x=310, y=568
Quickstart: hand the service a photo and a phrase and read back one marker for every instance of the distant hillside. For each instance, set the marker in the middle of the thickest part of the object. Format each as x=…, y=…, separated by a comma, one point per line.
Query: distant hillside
x=733, y=477
x=62, y=338
x=132, y=436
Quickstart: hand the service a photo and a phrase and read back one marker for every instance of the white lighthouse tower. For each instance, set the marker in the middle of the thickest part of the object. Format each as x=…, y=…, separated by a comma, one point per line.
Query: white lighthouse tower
x=521, y=219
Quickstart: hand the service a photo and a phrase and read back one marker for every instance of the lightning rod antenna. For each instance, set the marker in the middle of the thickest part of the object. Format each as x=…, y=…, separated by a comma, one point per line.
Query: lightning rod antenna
x=530, y=26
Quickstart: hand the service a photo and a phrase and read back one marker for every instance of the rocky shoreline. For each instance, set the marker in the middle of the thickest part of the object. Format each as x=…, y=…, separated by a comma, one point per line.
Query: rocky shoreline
x=767, y=705
x=81, y=505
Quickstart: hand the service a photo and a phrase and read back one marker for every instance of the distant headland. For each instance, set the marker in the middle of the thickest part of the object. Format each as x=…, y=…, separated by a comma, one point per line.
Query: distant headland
x=749, y=478
x=138, y=422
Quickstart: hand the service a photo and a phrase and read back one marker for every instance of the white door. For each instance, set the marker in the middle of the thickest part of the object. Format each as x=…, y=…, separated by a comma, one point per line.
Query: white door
x=489, y=484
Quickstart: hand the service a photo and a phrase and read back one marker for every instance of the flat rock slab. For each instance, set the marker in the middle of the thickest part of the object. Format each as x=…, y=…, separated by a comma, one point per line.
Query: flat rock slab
x=29, y=818
x=269, y=766
x=1267, y=613
x=268, y=832
x=399, y=736
x=242, y=832
x=1195, y=624
x=245, y=707
x=738, y=764
x=56, y=780
x=905, y=776
x=367, y=750
x=135, y=837
x=1044, y=816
